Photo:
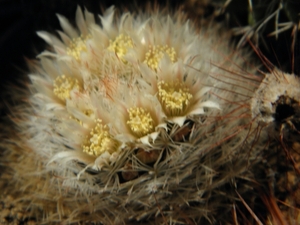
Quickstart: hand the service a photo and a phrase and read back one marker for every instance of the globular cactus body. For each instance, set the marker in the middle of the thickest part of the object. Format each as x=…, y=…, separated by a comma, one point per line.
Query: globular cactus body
x=142, y=118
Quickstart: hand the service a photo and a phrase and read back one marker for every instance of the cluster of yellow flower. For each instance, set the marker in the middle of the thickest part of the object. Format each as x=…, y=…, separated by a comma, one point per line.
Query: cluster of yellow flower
x=145, y=114
x=121, y=83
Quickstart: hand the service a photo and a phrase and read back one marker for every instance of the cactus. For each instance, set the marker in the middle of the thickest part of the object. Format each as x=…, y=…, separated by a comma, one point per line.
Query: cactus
x=141, y=118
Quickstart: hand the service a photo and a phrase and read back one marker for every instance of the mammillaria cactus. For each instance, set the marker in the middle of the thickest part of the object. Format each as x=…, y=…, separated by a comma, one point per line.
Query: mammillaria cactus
x=143, y=117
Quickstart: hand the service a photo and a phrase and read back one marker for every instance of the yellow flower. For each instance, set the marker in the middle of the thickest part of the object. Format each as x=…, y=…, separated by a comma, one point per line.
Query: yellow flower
x=174, y=97
x=94, y=137
x=73, y=41
x=157, y=39
x=139, y=117
x=99, y=141
x=140, y=121
x=63, y=85
x=77, y=46
x=120, y=45
x=156, y=53
x=178, y=89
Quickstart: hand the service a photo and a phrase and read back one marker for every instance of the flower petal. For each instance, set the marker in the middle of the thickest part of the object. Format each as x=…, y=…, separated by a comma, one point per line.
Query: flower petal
x=67, y=27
